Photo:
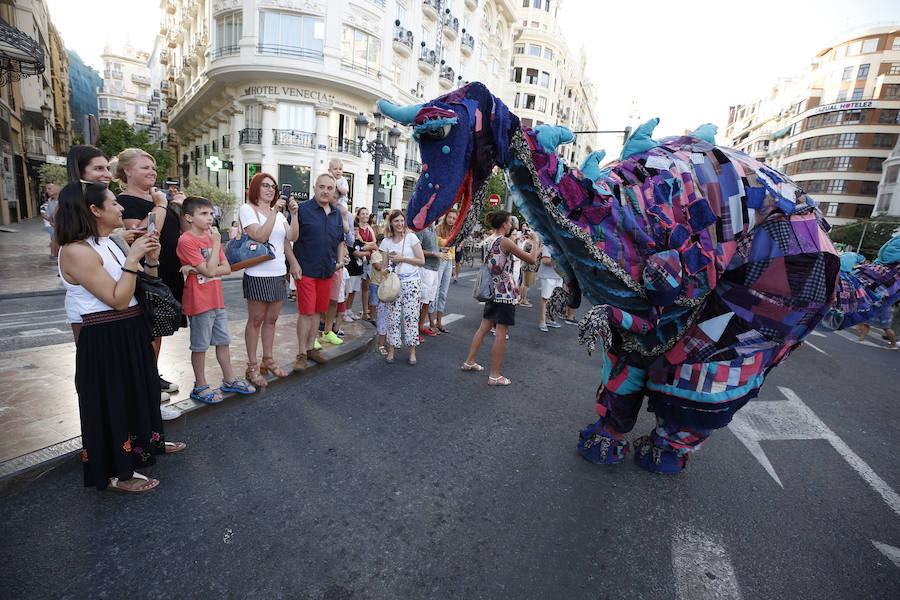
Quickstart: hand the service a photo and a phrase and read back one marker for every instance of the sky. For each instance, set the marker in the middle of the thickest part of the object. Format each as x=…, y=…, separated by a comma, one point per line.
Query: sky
x=684, y=62
x=687, y=62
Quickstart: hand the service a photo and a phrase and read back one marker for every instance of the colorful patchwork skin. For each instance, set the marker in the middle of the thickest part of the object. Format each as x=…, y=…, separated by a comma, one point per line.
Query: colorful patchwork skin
x=706, y=268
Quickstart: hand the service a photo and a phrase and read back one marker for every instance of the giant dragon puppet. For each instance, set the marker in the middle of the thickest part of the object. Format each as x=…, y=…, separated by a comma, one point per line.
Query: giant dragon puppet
x=706, y=268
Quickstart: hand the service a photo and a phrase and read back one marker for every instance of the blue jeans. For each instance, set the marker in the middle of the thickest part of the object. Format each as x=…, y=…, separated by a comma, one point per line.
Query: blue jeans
x=445, y=272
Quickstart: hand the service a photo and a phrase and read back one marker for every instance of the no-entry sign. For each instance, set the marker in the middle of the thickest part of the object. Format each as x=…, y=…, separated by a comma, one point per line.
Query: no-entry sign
x=494, y=200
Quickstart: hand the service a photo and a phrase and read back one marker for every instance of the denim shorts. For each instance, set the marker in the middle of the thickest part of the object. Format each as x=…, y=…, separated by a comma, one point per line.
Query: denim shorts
x=209, y=328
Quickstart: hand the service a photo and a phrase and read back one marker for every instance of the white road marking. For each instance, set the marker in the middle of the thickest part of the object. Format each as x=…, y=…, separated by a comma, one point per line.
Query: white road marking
x=892, y=553
x=817, y=334
x=451, y=318
x=854, y=337
x=25, y=323
x=39, y=332
x=469, y=274
x=33, y=312
x=814, y=347
x=792, y=420
x=701, y=567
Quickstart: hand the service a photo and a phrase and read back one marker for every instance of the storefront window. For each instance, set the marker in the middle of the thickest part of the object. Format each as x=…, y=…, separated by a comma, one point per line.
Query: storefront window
x=298, y=177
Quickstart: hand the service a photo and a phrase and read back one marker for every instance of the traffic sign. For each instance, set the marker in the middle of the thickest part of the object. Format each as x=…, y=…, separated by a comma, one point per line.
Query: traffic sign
x=494, y=200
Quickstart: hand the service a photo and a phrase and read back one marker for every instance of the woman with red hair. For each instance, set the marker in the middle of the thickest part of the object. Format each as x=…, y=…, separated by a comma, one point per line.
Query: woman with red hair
x=265, y=287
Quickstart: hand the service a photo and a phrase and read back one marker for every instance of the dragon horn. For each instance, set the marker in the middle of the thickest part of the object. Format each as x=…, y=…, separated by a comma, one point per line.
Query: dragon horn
x=402, y=114
x=706, y=132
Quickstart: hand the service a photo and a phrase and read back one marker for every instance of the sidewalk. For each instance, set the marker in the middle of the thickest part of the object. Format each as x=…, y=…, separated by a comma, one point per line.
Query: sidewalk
x=39, y=420
x=26, y=268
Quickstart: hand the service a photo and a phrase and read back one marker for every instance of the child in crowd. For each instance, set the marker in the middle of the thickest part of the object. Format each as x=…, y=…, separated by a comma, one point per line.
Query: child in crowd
x=549, y=280
x=204, y=262
x=377, y=308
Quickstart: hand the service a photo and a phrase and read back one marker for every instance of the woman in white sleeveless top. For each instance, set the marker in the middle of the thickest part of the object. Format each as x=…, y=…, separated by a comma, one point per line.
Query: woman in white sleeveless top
x=115, y=368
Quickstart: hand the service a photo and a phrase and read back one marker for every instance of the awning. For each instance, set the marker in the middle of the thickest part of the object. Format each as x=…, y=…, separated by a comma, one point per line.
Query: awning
x=781, y=133
x=20, y=56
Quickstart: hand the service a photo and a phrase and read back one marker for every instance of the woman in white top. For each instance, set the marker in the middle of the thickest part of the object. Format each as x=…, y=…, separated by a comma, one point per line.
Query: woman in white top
x=403, y=252
x=265, y=287
x=115, y=367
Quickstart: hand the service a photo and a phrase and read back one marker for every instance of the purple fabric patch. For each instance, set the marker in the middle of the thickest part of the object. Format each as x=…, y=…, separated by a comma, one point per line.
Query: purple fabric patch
x=701, y=215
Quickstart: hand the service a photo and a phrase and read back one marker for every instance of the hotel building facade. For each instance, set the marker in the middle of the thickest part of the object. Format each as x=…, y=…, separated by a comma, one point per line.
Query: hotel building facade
x=831, y=127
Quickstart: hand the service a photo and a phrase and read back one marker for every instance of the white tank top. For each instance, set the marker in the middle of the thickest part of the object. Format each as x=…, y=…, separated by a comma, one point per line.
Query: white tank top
x=79, y=301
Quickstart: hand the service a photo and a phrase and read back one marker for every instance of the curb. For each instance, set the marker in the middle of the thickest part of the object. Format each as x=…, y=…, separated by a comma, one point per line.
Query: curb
x=34, y=465
x=62, y=291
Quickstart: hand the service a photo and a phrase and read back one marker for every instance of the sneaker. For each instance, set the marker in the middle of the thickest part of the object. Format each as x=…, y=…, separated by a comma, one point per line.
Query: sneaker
x=339, y=332
x=426, y=331
x=167, y=386
x=168, y=414
x=543, y=327
x=332, y=338
x=421, y=339
x=317, y=345
x=553, y=324
x=349, y=315
x=316, y=356
x=571, y=322
x=164, y=397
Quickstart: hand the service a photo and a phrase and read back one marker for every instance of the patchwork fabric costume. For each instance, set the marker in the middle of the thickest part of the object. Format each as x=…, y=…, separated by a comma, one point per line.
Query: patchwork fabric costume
x=706, y=268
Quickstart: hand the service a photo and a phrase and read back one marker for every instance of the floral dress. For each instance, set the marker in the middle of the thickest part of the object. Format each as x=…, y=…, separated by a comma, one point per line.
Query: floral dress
x=506, y=290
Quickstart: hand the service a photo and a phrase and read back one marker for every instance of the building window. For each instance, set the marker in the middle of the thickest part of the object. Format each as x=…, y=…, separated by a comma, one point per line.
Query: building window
x=819, y=164
x=889, y=115
x=863, y=211
x=547, y=6
x=228, y=34
x=531, y=76
x=534, y=50
x=853, y=48
x=863, y=72
x=527, y=122
x=548, y=53
x=516, y=103
x=545, y=79
x=542, y=104
x=519, y=49
x=836, y=186
x=827, y=141
x=848, y=140
x=854, y=116
x=525, y=3
x=869, y=45
x=891, y=175
x=814, y=122
x=891, y=90
x=530, y=100
x=286, y=34
x=896, y=44
x=495, y=66
x=517, y=74
x=482, y=52
x=868, y=188
x=831, y=209
x=360, y=52
x=873, y=164
x=537, y=3
x=895, y=69
x=842, y=163
x=848, y=73
x=884, y=140
x=857, y=94
x=841, y=96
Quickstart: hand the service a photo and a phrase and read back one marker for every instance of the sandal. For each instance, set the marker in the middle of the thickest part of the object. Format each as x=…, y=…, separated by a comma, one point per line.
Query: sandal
x=115, y=484
x=238, y=385
x=498, y=380
x=442, y=329
x=173, y=447
x=210, y=397
x=473, y=367
x=268, y=365
x=252, y=375
x=382, y=350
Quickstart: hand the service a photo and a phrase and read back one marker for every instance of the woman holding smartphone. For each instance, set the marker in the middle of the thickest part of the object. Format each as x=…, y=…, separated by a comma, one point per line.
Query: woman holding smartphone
x=265, y=287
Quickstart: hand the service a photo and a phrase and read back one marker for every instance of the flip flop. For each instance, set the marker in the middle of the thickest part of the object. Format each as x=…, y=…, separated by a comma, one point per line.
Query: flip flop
x=115, y=487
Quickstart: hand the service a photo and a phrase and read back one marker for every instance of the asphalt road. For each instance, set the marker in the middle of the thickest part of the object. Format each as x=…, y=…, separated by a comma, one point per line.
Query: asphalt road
x=390, y=481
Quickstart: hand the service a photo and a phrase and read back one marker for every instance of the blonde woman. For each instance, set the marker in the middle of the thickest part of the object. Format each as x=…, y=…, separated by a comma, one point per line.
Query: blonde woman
x=445, y=270
x=135, y=170
x=403, y=252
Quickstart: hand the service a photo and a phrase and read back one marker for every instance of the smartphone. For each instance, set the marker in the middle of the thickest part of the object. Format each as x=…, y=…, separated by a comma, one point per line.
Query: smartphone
x=151, y=223
x=286, y=190
x=172, y=185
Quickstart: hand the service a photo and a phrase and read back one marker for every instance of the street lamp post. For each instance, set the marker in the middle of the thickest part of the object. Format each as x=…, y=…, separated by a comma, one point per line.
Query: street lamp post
x=376, y=147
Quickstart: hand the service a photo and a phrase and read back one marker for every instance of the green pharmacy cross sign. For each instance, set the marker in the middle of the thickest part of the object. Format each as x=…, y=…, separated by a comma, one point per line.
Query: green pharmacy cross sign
x=388, y=179
x=214, y=163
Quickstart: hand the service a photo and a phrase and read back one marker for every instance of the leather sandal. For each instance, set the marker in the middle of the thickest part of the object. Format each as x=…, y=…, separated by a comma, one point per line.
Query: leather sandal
x=115, y=484
x=268, y=365
x=253, y=376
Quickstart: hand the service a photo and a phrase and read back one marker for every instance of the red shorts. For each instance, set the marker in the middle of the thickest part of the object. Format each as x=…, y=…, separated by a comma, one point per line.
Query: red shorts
x=312, y=295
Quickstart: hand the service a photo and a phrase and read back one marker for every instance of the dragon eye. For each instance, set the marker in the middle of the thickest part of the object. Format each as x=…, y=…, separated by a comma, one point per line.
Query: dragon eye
x=438, y=133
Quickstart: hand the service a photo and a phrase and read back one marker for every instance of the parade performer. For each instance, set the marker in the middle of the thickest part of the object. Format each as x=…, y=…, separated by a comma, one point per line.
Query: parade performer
x=706, y=267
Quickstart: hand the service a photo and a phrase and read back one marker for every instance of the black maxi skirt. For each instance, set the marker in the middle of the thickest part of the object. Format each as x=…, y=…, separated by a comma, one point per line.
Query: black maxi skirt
x=118, y=396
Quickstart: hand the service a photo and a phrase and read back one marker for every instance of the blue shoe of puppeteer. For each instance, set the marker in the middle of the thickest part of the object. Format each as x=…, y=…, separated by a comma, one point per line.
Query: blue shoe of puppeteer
x=597, y=446
x=657, y=460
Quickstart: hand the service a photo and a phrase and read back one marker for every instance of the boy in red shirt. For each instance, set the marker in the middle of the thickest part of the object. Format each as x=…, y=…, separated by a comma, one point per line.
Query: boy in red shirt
x=200, y=252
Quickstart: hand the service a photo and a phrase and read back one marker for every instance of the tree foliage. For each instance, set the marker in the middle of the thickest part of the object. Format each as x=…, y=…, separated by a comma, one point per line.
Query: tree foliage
x=119, y=135
x=224, y=200
x=877, y=231
x=49, y=173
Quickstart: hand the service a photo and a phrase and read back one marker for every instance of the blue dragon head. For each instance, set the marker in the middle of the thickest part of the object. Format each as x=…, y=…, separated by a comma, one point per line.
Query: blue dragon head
x=461, y=136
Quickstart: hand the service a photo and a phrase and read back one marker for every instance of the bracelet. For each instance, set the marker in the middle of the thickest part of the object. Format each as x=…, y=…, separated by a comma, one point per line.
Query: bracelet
x=129, y=271
x=149, y=266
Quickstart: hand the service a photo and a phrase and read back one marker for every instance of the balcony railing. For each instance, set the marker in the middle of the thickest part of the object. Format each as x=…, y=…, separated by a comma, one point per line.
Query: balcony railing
x=447, y=73
x=451, y=24
x=412, y=165
x=141, y=79
x=112, y=74
x=222, y=51
x=427, y=56
x=226, y=142
x=388, y=160
x=292, y=51
x=345, y=145
x=404, y=36
x=292, y=137
x=251, y=136
x=468, y=41
x=368, y=71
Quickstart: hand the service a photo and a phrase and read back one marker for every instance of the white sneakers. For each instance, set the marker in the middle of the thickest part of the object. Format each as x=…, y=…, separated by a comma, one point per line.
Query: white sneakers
x=168, y=414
